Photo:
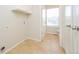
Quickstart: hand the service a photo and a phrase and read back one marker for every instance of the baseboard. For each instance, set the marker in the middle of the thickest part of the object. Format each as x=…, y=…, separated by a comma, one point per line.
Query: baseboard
x=13, y=46
x=53, y=33
x=39, y=40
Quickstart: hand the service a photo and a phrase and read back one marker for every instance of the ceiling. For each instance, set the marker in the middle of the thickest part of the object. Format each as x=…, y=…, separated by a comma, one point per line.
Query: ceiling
x=52, y=6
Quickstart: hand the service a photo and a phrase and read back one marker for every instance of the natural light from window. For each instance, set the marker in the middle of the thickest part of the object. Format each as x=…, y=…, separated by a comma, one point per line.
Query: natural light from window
x=53, y=17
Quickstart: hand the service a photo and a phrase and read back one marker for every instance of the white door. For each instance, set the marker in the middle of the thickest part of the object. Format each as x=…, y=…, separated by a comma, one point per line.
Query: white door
x=71, y=29
x=68, y=42
x=66, y=23
x=75, y=32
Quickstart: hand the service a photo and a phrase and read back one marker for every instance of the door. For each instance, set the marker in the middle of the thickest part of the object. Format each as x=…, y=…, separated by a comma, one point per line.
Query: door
x=75, y=31
x=66, y=25
x=68, y=30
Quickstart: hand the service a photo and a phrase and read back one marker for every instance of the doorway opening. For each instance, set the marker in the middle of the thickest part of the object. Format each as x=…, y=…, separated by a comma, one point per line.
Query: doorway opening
x=52, y=34
x=53, y=21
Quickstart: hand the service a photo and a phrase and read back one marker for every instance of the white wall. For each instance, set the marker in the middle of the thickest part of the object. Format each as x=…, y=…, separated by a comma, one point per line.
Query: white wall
x=35, y=22
x=43, y=21
x=61, y=22
x=12, y=27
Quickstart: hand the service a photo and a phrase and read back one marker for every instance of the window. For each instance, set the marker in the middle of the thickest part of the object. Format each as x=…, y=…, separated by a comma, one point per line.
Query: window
x=53, y=17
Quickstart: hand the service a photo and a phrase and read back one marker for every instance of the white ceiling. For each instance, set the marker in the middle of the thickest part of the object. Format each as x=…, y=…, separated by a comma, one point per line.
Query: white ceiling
x=52, y=6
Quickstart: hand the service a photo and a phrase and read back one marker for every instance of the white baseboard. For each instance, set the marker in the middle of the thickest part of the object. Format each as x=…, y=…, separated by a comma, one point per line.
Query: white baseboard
x=34, y=39
x=53, y=33
x=13, y=46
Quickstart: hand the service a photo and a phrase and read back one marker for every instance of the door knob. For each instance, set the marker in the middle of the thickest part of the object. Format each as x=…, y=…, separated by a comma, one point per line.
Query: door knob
x=77, y=28
x=74, y=28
